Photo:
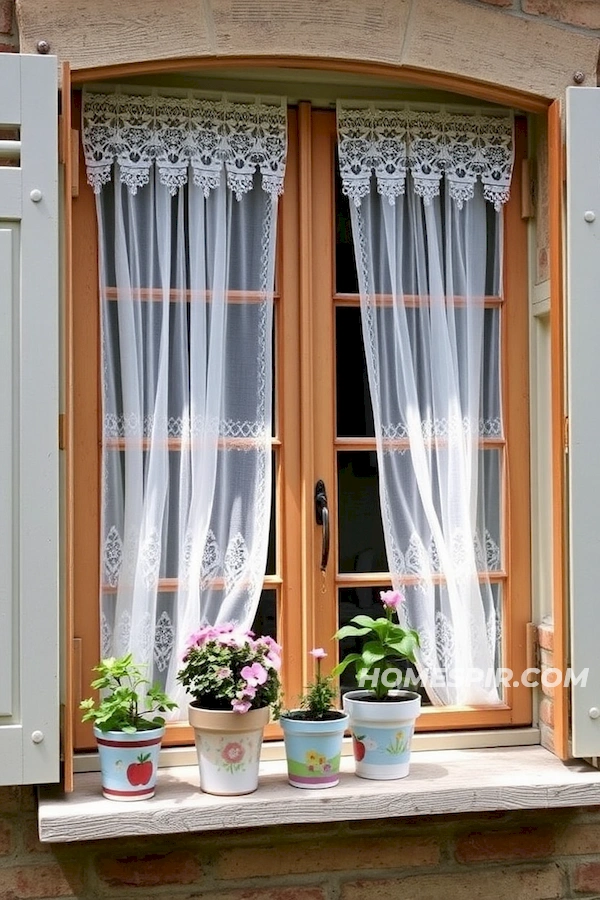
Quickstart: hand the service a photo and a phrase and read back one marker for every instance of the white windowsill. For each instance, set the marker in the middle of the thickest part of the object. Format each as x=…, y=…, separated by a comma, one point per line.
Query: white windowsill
x=440, y=781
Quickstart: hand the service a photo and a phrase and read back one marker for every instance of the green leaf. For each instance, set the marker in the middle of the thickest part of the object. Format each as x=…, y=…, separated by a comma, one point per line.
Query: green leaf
x=345, y=662
x=350, y=631
x=366, y=621
x=373, y=652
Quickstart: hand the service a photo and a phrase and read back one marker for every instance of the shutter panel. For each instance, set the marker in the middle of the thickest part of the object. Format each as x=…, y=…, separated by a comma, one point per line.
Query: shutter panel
x=583, y=353
x=29, y=674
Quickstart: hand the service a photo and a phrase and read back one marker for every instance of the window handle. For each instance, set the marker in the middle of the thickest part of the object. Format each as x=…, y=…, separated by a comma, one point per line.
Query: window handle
x=322, y=517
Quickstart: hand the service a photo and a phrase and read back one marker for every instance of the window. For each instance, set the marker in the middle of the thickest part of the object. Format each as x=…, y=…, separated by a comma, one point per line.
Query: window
x=323, y=431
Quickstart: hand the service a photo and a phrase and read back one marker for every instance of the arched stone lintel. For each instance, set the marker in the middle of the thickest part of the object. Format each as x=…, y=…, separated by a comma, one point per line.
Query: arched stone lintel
x=451, y=44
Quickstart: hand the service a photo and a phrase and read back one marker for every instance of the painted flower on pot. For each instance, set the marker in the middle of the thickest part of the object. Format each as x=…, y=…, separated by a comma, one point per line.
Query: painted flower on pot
x=226, y=667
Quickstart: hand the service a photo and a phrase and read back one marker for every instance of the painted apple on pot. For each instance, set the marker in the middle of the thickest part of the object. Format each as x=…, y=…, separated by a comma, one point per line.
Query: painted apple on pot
x=358, y=747
x=140, y=772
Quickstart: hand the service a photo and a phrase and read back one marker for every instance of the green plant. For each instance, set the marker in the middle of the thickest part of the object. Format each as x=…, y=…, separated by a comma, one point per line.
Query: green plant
x=126, y=705
x=390, y=644
x=227, y=668
x=321, y=693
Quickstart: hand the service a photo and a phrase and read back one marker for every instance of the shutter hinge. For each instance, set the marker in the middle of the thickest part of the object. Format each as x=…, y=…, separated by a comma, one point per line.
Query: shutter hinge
x=532, y=653
x=566, y=434
x=61, y=431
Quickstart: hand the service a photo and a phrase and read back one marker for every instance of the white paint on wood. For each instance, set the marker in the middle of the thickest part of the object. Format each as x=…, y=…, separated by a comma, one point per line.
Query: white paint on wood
x=447, y=781
x=29, y=424
x=583, y=330
x=10, y=193
x=9, y=290
x=10, y=95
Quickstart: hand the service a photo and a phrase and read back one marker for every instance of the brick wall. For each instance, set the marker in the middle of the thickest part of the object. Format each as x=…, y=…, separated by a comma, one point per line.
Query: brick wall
x=498, y=856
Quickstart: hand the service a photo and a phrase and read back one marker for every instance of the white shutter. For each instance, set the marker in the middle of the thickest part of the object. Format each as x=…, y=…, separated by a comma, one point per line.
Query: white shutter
x=29, y=692
x=583, y=350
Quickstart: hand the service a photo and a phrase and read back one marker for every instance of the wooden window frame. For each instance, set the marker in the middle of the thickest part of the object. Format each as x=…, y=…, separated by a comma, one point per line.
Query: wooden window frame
x=303, y=620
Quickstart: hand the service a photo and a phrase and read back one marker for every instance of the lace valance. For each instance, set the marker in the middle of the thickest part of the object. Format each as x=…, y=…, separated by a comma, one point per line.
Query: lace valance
x=177, y=134
x=462, y=147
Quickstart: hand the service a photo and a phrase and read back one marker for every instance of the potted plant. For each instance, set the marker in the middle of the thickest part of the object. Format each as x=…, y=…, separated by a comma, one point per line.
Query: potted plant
x=127, y=728
x=381, y=718
x=313, y=733
x=233, y=678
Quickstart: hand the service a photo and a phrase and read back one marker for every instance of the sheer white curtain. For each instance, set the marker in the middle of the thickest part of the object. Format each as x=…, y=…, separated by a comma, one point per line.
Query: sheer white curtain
x=187, y=194
x=426, y=192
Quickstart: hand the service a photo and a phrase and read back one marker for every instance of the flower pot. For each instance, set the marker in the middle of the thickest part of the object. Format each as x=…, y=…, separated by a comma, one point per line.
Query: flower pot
x=129, y=762
x=228, y=745
x=382, y=732
x=313, y=750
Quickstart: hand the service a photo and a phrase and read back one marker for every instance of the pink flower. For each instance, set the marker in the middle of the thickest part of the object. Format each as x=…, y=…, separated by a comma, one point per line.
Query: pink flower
x=223, y=672
x=232, y=752
x=391, y=599
x=317, y=653
x=248, y=693
x=254, y=674
x=241, y=706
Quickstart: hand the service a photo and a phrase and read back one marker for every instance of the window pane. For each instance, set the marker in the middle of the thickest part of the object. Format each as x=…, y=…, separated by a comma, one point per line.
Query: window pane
x=272, y=551
x=346, y=279
x=361, y=543
x=354, y=409
x=265, y=620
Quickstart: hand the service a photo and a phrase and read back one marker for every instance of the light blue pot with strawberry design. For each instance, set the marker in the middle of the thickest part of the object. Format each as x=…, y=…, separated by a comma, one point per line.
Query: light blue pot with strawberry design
x=382, y=732
x=129, y=763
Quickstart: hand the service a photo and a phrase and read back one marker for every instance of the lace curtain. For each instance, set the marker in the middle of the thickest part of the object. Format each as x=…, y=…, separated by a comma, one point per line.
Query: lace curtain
x=426, y=192
x=187, y=192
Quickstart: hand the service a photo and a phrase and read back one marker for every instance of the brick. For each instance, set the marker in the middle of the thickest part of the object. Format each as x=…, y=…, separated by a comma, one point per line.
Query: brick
x=547, y=738
x=30, y=838
x=546, y=637
x=579, y=839
x=300, y=858
x=547, y=712
x=177, y=867
x=548, y=690
x=525, y=843
x=8, y=48
x=10, y=797
x=498, y=884
x=585, y=13
x=6, y=838
x=587, y=878
x=6, y=16
x=32, y=882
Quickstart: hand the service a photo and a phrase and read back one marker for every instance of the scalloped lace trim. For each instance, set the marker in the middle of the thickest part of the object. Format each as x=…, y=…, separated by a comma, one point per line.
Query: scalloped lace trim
x=179, y=133
x=390, y=143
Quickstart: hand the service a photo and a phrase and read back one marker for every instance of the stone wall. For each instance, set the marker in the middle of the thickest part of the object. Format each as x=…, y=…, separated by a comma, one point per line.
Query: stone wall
x=8, y=27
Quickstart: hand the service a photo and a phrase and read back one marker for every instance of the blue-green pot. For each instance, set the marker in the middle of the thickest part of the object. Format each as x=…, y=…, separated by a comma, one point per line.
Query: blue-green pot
x=313, y=750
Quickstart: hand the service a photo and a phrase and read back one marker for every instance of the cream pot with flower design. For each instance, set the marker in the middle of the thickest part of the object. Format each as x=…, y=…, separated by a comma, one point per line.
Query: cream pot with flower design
x=233, y=678
x=382, y=718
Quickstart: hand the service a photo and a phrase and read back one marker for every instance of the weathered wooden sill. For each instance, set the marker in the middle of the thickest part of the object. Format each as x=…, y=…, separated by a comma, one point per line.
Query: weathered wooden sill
x=440, y=781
